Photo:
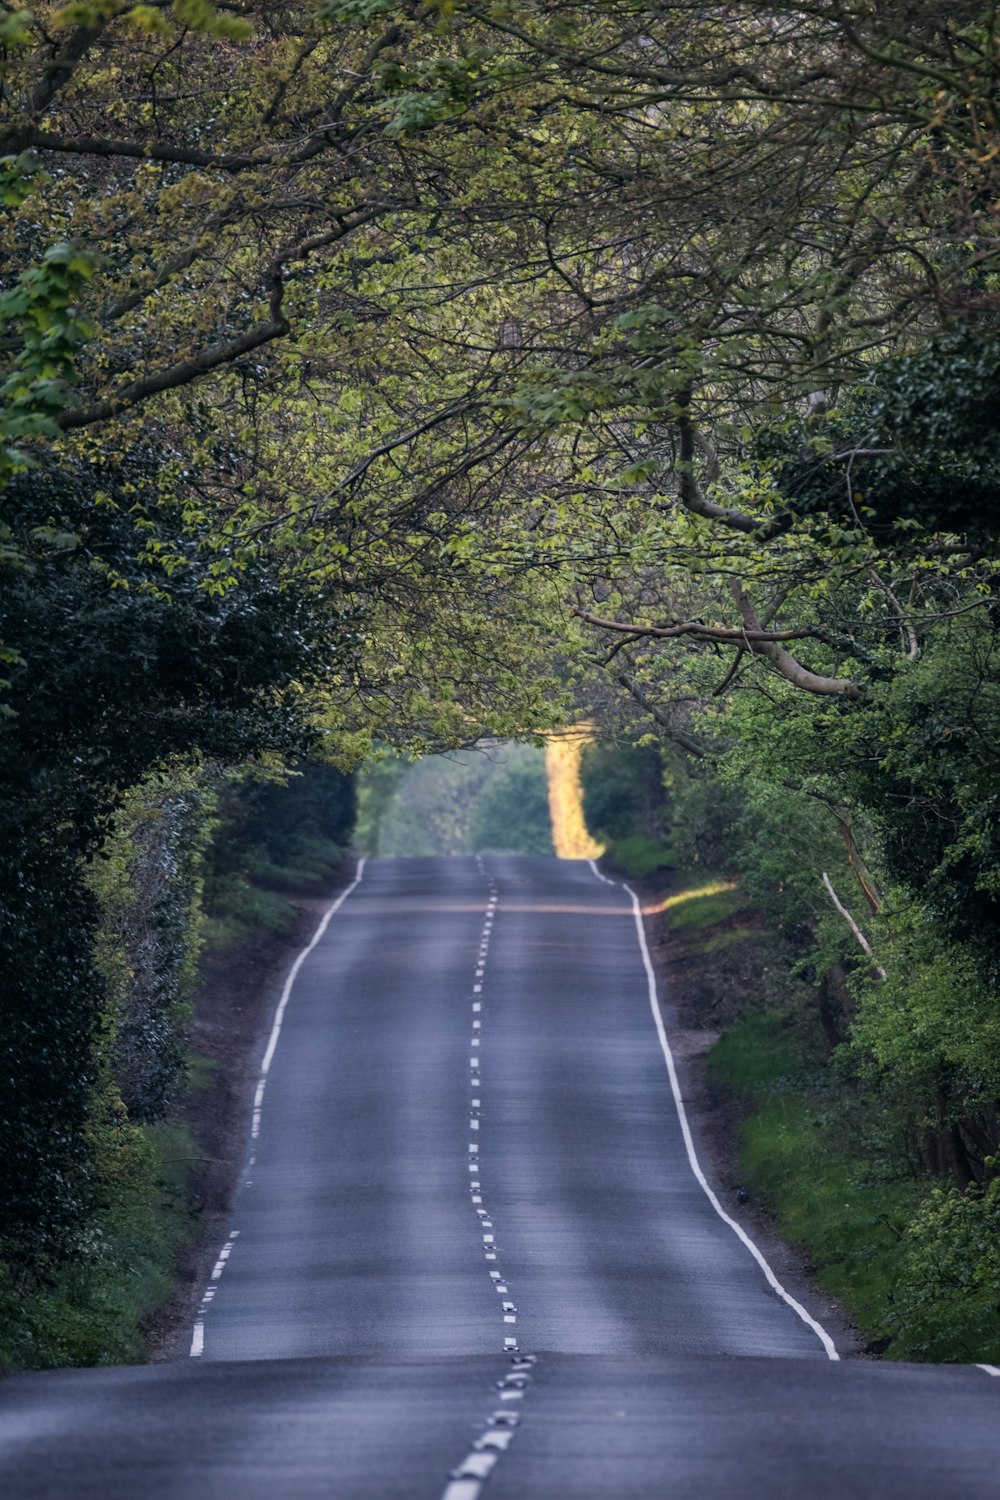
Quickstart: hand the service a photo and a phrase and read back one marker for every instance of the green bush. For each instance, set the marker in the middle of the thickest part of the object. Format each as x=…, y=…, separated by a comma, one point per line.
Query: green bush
x=640, y=855
x=946, y=1302
x=804, y=1153
x=92, y=1310
x=623, y=794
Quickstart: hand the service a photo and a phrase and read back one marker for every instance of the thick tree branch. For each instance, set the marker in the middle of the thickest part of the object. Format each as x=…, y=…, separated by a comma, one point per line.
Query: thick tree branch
x=188, y=370
x=98, y=145
x=169, y=268
x=184, y=372
x=733, y=633
x=678, y=736
x=692, y=496
x=782, y=660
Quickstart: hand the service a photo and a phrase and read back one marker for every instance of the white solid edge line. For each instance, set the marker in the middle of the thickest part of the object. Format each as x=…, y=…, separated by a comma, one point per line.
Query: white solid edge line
x=738, y=1230
x=198, y=1333
x=990, y=1369
x=293, y=972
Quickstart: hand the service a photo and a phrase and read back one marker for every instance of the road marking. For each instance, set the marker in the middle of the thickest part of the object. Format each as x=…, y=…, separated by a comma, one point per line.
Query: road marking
x=741, y=1234
x=990, y=1369
x=466, y=1481
x=463, y=1489
x=198, y=1332
x=297, y=965
x=475, y=1466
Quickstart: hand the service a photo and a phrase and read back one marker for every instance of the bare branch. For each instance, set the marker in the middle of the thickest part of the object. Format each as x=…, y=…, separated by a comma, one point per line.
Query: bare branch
x=734, y=633
x=685, y=741
x=782, y=660
x=862, y=940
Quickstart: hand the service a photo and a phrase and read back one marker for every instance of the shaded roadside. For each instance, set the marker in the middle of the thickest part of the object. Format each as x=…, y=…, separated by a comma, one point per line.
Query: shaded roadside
x=233, y=1008
x=712, y=955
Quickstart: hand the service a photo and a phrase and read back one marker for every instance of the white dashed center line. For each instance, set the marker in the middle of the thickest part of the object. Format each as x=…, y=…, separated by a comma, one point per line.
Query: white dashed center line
x=466, y=1481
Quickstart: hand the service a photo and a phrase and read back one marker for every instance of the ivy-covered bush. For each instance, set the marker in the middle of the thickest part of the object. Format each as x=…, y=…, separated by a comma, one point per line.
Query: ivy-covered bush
x=148, y=879
x=121, y=672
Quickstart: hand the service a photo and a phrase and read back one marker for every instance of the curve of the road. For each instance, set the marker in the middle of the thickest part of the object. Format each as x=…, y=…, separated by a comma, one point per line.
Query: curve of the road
x=473, y=1247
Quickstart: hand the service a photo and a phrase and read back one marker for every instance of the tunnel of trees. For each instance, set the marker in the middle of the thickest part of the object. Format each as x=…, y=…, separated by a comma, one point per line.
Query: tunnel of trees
x=414, y=374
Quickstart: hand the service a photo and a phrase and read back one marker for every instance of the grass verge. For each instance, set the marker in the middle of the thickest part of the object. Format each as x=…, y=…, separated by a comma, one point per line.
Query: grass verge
x=94, y=1310
x=800, y=1157
x=825, y=1149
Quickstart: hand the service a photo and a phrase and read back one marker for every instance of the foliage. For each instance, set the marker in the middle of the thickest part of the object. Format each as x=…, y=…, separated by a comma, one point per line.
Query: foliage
x=916, y=1265
x=571, y=838
x=622, y=791
x=512, y=814
x=912, y=449
x=120, y=677
x=147, y=879
x=492, y=798
x=92, y=1310
x=273, y=832
x=947, y=1303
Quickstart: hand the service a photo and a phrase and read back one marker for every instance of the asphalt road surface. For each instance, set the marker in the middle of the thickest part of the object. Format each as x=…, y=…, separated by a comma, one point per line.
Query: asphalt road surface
x=471, y=1255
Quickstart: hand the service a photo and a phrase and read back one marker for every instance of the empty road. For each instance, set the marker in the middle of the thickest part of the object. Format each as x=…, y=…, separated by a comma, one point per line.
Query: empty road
x=470, y=1251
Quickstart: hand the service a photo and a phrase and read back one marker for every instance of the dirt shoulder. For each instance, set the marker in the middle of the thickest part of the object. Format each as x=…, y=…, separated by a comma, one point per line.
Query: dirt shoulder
x=233, y=1011
x=707, y=981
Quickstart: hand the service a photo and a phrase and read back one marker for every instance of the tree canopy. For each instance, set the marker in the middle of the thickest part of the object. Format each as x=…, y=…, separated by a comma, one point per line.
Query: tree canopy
x=419, y=373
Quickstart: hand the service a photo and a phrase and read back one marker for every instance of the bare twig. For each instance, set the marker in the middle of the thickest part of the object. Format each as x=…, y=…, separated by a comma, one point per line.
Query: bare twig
x=862, y=940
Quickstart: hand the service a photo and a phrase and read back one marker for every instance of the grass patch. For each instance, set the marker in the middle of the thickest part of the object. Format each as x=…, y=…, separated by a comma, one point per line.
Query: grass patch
x=803, y=1153
x=253, y=899
x=239, y=908
x=201, y=1073
x=641, y=855
x=727, y=938
x=706, y=906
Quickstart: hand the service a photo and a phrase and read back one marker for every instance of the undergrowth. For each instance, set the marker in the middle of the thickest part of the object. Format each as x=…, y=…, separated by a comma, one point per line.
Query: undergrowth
x=640, y=855
x=93, y=1309
x=883, y=1240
